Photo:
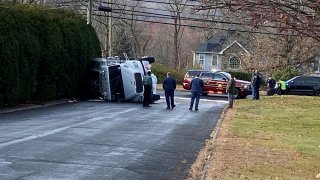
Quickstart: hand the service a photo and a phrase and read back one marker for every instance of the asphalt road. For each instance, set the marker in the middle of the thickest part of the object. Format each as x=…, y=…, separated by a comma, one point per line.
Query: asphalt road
x=103, y=140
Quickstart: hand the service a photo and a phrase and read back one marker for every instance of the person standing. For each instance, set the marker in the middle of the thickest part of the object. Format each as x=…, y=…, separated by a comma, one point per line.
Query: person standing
x=256, y=80
x=283, y=87
x=147, y=84
x=154, y=83
x=271, y=85
x=154, y=87
x=231, y=90
x=252, y=86
x=169, y=85
x=196, y=86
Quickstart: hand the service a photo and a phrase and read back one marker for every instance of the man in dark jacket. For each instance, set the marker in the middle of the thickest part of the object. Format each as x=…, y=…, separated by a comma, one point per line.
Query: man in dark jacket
x=271, y=85
x=256, y=81
x=231, y=90
x=169, y=85
x=196, y=85
x=147, y=84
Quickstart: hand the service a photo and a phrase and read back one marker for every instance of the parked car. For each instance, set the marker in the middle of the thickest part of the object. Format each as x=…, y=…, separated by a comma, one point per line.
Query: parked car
x=302, y=85
x=216, y=83
x=188, y=77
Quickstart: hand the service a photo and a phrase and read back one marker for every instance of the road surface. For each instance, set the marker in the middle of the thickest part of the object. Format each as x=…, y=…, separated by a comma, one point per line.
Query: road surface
x=103, y=140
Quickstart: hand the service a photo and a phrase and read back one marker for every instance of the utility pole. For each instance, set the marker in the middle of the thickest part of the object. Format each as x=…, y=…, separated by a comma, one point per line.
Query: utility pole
x=89, y=12
x=110, y=30
x=108, y=40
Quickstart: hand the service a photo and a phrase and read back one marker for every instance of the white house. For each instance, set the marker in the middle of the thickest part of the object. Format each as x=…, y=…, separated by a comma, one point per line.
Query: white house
x=223, y=51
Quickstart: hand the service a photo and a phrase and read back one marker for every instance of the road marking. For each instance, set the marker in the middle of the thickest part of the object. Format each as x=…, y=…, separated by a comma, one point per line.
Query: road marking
x=208, y=100
x=43, y=134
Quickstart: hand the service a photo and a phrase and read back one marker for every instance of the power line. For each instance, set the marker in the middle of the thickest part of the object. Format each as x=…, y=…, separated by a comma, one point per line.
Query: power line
x=168, y=3
x=214, y=21
x=198, y=26
x=157, y=9
x=165, y=16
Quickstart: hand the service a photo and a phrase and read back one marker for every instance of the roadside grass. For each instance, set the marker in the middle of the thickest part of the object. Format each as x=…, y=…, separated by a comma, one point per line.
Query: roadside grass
x=289, y=123
x=273, y=138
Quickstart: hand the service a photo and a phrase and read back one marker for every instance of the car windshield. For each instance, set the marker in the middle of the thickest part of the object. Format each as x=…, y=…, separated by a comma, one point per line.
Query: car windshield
x=226, y=75
x=291, y=79
x=206, y=75
x=192, y=74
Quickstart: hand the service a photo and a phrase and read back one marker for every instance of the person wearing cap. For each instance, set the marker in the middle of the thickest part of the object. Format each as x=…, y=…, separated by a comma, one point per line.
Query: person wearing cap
x=147, y=84
x=169, y=85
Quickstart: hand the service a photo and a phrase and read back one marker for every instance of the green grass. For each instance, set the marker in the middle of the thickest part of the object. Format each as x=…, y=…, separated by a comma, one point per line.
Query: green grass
x=289, y=124
x=292, y=120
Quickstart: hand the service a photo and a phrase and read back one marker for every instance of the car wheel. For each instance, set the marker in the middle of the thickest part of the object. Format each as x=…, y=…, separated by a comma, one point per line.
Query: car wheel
x=236, y=94
x=243, y=97
x=204, y=94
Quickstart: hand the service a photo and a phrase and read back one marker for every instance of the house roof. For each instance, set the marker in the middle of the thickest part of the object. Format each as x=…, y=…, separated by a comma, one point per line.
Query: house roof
x=235, y=42
x=219, y=42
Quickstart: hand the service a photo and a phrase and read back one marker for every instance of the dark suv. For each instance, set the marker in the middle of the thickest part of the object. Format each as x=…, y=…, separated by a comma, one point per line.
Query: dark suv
x=302, y=85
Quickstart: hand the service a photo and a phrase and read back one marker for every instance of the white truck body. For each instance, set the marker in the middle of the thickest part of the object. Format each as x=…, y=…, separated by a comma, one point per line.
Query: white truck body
x=120, y=80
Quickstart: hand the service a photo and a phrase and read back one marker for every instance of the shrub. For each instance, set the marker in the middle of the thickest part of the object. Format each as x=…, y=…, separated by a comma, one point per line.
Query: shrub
x=241, y=75
x=161, y=72
x=286, y=73
x=44, y=53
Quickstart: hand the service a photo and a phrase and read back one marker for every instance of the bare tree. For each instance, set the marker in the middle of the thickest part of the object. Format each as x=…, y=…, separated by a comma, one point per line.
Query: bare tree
x=176, y=9
x=272, y=52
x=138, y=35
x=295, y=17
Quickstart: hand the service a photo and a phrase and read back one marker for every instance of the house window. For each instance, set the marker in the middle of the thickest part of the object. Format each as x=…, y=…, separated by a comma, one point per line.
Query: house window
x=214, y=61
x=317, y=66
x=234, y=63
x=201, y=59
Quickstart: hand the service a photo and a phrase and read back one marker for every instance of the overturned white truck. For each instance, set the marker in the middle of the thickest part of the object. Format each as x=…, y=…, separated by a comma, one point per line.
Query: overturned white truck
x=116, y=79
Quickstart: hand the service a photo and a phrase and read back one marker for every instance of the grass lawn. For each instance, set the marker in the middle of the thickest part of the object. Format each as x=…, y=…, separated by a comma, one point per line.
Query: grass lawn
x=273, y=138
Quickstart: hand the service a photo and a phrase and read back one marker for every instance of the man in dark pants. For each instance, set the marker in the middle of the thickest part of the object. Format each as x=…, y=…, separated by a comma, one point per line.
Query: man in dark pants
x=231, y=88
x=196, y=85
x=271, y=85
x=169, y=85
x=147, y=84
x=252, y=86
x=256, y=81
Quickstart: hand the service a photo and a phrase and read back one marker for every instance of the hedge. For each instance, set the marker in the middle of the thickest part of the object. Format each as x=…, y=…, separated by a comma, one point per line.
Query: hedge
x=44, y=54
x=246, y=76
x=161, y=70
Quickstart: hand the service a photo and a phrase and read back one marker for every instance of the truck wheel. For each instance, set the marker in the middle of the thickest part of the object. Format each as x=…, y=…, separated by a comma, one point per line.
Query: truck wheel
x=318, y=93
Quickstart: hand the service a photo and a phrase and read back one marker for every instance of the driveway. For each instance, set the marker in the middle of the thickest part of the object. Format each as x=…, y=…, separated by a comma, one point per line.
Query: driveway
x=103, y=140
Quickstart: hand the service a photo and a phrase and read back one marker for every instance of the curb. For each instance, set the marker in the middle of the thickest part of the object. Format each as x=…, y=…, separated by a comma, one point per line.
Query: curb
x=213, y=137
x=23, y=107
